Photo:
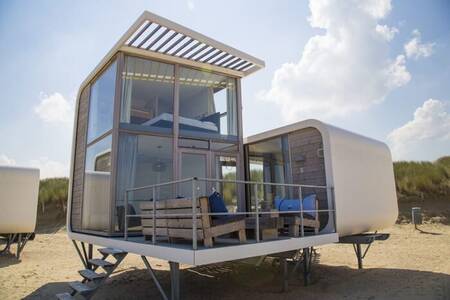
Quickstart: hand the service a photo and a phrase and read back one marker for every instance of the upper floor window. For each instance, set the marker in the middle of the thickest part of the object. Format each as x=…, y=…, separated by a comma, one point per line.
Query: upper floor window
x=147, y=94
x=101, y=103
x=207, y=103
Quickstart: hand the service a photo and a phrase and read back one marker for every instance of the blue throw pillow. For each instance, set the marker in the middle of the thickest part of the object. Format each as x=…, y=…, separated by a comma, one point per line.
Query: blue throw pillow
x=217, y=205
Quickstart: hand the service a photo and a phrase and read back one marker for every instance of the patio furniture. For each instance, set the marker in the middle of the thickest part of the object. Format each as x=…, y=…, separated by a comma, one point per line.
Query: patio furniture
x=180, y=225
x=294, y=220
x=269, y=225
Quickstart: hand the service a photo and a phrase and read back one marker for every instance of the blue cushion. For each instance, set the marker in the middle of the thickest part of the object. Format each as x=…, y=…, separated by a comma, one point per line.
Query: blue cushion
x=217, y=205
x=309, y=203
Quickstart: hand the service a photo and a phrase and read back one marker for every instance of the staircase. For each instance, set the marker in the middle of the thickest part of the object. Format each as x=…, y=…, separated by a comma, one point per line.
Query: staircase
x=92, y=279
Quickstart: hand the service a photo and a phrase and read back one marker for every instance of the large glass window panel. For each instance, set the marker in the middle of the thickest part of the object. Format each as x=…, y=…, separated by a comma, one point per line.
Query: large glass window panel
x=193, y=165
x=226, y=168
x=142, y=160
x=207, y=103
x=267, y=163
x=101, y=103
x=96, y=196
x=147, y=94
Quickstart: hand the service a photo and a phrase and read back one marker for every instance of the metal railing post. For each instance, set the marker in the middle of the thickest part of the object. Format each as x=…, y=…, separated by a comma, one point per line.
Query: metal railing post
x=257, y=213
x=302, y=230
x=194, y=215
x=334, y=208
x=125, y=227
x=154, y=216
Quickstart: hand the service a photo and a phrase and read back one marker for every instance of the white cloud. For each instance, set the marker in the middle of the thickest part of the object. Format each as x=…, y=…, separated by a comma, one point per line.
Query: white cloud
x=344, y=70
x=416, y=49
x=6, y=161
x=386, y=32
x=55, y=108
x=191, y=5
x=430, y=125
x=49, y=168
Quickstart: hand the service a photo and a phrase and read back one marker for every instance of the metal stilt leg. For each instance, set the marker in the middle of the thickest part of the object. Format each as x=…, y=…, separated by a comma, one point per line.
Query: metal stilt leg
x=175, y=280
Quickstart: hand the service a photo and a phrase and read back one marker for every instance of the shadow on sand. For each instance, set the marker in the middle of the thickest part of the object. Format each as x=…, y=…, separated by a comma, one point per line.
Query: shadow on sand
x=8, y=259
x=243, y=281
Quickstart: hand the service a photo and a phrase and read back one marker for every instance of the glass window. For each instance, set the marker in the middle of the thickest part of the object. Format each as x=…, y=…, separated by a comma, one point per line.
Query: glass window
x=207, y=103
x=267, y=162
x=193, y=165
x=101, y=103
x=96, y=197
x=143, y=160
x=147, y=94
x=226, y=168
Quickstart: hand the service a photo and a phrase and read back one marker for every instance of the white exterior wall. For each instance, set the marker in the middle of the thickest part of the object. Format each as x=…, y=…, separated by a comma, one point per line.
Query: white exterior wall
x=19, y=189
x=361, y=172
x=364, y=184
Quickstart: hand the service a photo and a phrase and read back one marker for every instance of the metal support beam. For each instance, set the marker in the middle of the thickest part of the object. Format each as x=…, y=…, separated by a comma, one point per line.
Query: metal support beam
x=306, y=266
x=174, y=280
x=79, y=254
x=152, y=273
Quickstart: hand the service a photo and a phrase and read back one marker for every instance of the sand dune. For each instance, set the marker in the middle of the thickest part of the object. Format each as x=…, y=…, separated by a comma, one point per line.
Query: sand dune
x=410, y=265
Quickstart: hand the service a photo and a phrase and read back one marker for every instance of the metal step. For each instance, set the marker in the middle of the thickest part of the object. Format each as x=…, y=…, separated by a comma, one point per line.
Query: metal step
x=64, y=296
x=91, y=275
x=100, y=263
x=81, y=288
x=111, y=251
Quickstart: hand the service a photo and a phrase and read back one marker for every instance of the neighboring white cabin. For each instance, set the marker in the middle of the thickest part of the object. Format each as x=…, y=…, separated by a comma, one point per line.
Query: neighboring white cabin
x=359, y=169
x=19, y=189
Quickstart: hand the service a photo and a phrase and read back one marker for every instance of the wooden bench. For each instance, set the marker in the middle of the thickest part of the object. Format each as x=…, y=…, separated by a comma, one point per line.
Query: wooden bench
x=181, y=226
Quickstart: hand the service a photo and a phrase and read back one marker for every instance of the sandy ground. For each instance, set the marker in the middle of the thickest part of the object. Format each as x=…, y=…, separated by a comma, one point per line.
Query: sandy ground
x=410, y=265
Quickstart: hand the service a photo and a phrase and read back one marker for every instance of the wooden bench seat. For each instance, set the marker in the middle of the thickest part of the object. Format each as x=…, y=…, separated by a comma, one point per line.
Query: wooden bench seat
x=180, y=224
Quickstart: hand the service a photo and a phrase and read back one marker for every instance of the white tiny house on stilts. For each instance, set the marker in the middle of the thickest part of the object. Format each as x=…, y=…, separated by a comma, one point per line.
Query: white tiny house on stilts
x=160, y=169
x=19, y=190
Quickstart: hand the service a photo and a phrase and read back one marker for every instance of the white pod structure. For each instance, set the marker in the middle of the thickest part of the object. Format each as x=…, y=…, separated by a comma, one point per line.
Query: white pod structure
x=358, y=168
x=19, y=189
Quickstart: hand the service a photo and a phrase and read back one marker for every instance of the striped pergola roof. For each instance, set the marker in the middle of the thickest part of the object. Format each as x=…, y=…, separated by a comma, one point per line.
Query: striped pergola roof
x=156, y=37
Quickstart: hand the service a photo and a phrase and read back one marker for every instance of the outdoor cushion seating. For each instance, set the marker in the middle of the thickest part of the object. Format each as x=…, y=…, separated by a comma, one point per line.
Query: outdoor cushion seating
x=293, y=220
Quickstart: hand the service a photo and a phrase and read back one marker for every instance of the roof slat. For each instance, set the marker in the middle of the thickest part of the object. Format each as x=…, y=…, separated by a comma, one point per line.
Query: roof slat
x=205, y=54
x=166, y=41
x=182, y=46
x=174, y=43
x=197, y=52
x=149, y=36
x=190, y=48
x=158, y=38
x=219, y=58
x=226, y=60
x=244, y=66
x=139, y=33
x=226, y=65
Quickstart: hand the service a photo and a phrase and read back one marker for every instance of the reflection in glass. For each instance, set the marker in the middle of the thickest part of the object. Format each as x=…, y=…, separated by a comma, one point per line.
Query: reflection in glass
x=226, y=168
x=147, y=93
x=143, y=160
x=101, y=103
x=267, y=163
x=207, y=103
x=96, y=195
x=193, y=165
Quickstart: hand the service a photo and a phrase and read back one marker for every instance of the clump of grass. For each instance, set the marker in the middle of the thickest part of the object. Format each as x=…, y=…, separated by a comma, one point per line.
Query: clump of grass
x=53, y=191
x=423, y=179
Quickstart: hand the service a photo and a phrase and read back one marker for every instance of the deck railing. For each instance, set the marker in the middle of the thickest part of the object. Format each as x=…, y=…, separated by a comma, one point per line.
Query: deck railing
x=257, y=212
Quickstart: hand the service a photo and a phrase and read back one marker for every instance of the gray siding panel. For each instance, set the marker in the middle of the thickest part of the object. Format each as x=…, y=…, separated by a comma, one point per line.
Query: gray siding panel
x=79, y=160
x=308, y=166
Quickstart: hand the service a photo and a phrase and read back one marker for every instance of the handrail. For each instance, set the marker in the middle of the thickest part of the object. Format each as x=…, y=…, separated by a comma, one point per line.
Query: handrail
x=194, y=214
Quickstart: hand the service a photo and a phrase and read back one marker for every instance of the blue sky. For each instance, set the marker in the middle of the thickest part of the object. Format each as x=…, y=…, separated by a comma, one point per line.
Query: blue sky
x=381, y=68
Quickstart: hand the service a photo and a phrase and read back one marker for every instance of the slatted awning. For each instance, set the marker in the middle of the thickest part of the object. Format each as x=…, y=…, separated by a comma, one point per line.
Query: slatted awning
x=155, y=37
